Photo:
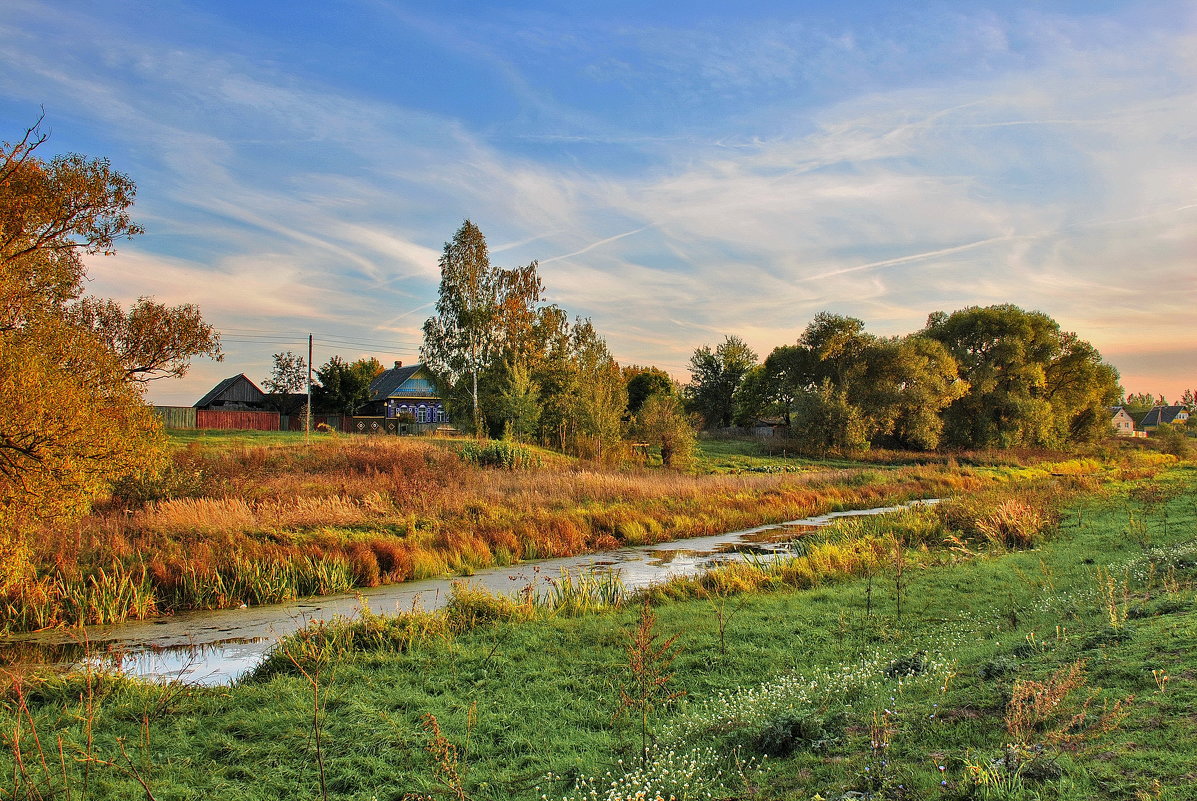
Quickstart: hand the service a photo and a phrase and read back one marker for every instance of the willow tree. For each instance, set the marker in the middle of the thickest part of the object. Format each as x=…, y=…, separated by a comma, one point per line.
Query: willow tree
x=661, y=421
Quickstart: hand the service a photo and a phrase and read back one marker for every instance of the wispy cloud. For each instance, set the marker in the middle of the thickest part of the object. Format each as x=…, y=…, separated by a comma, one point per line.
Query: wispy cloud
x=608, y=240
x=676, y=182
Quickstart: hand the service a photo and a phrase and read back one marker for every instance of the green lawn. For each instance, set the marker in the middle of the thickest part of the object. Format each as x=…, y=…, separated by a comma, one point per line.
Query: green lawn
x=218, y=438
x=728, y=455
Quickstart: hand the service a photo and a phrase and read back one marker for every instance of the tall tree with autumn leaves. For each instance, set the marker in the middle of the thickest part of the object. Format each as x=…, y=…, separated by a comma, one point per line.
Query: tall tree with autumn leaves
x=72, y=416
x=481, y=312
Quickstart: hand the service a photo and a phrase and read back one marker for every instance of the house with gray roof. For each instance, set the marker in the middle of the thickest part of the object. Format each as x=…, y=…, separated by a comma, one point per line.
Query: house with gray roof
x=406, y=393
x=1165, y=414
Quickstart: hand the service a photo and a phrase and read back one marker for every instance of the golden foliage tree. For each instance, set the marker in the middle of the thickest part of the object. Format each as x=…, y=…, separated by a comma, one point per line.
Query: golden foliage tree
x=70, y=420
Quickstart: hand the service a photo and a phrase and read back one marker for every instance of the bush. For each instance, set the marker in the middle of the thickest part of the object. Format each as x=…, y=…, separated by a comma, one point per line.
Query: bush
x=470, y=607
x=912, y=665
x=788, y=734
x=1173, y=440
x=174, y=481
x=999, y=667
x=500, y=453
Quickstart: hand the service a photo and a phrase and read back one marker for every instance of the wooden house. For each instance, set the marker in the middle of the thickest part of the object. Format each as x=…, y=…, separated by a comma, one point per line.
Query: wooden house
x=406, y=393
x=768, y=427
x=237, y=393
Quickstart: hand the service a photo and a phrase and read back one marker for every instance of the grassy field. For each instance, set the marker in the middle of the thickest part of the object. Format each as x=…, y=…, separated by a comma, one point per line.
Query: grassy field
x=258, y=517
x=1043, y=651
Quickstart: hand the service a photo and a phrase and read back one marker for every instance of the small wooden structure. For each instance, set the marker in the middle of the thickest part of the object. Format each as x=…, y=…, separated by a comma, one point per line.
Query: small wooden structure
x=236, y=393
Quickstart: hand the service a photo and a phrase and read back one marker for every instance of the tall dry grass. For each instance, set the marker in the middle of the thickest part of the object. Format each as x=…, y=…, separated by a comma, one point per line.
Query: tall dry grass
x=250, y=524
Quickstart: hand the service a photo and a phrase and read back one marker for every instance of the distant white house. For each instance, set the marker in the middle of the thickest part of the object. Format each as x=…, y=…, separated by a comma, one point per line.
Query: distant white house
x=1123, y=423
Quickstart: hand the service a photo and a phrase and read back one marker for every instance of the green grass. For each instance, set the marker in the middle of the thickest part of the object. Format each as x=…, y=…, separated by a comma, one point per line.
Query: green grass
x=219, y=438
x=731, y=455
x=807, y=674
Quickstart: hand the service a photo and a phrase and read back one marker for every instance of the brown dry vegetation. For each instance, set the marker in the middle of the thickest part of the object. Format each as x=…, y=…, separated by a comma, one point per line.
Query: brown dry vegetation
x=256, y=524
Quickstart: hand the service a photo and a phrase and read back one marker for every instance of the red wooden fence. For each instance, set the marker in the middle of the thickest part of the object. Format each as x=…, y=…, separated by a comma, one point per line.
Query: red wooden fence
x=255, y=421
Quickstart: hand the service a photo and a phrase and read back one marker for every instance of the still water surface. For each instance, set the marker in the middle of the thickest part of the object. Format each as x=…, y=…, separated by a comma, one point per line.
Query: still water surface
x=219, y=647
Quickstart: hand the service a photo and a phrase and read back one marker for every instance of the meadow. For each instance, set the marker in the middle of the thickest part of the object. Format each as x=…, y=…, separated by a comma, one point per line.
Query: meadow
x=260, y=517
x=1031, y=640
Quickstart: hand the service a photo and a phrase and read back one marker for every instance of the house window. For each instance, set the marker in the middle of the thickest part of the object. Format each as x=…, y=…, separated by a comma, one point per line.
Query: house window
x=440, y=415
x=422, y=415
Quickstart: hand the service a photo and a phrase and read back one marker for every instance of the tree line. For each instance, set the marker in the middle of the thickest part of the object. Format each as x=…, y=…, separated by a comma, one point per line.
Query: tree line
x=1145, y=401
x=510, y=364
x=980, y=377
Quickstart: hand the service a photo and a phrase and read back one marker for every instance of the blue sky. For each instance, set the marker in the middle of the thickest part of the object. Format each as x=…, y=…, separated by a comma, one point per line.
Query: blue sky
x=680, y=176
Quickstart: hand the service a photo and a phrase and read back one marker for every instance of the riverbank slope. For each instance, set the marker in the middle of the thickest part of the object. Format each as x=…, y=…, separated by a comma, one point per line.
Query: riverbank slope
x=975, y=670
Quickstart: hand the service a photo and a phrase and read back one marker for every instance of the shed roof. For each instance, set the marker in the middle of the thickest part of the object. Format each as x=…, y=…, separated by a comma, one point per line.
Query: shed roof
x=224, y=386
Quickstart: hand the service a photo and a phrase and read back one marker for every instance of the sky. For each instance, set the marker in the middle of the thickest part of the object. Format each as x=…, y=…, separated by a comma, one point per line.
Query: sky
x=682, y=172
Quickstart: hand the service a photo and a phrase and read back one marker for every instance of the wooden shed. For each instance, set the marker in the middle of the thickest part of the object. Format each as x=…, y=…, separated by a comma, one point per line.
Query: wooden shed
x=236, y=393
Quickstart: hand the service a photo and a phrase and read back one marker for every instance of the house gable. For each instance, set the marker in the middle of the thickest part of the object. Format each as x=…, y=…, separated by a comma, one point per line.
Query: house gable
x=1123, y=423
x=418, y=385
x=235, y=392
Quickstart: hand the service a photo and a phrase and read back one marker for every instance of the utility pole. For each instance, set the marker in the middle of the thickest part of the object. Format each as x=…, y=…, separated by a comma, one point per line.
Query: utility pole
x=307, y=418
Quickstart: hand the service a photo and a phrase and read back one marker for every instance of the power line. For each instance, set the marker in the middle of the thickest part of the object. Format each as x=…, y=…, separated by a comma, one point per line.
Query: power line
x=258, y=336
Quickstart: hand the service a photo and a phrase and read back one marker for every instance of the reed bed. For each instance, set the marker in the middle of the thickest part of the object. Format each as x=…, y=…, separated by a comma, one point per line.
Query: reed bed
x=255, y=523
x=874, y=546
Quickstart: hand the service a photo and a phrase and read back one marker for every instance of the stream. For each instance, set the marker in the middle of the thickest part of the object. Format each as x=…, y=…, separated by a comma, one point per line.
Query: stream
x=218, y=647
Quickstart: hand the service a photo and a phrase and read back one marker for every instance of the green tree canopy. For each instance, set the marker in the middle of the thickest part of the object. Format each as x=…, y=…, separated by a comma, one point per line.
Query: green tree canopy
x=840, y=388
x=598, y=404
x=344, y=387
x=1029, y=382
x=715, y=376
x=644, y=382
x=519, y=401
